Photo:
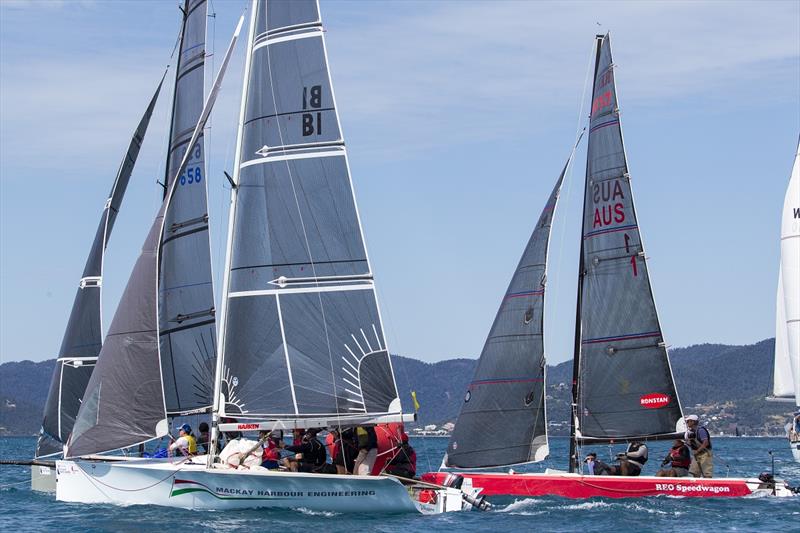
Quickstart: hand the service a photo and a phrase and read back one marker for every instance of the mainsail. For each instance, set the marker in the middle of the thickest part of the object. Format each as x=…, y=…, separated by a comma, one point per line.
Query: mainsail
x=507, y=394
x=125, y=400
x=187, y=328
x=301, y=333
x=623, y=385
x=787, y=339
x=83, y=338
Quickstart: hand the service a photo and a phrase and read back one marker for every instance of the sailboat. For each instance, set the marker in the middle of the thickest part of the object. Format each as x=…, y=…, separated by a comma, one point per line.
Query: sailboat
x=82, y=339
x=301, y=342
x=786, y=374
x=623, y=389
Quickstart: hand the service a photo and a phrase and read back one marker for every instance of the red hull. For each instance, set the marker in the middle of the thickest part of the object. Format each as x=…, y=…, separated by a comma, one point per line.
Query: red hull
x=578, y=486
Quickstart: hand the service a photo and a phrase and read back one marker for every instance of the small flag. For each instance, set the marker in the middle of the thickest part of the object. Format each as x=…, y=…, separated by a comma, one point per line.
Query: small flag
x=414, y=397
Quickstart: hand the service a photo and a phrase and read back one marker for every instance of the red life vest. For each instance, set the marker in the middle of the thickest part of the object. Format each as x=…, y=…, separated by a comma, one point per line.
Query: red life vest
x=680, y=457
x=270, y=452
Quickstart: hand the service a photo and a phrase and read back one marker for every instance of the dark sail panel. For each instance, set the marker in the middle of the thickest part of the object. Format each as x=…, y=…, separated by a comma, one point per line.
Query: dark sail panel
x=300, y=218
x=302, y=333
x=625, y=386
x=186, y=299
x=124, y=402
x=82, y=339
x=507, y=395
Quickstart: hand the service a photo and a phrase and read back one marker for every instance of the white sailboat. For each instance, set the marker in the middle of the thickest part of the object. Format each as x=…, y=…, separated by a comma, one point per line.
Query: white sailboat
x=301, y=342
x=786, y=374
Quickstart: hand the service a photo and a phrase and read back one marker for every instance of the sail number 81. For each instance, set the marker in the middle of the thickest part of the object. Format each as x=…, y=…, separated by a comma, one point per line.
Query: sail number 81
x=192, y=175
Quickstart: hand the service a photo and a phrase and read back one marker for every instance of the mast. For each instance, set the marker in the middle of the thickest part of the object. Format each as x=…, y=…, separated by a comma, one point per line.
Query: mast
x=573, y=429
x=219, y=400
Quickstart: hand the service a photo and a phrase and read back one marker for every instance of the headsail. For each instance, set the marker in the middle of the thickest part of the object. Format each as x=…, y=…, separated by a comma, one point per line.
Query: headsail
x=623, y=380
x=125, y=401
x=782, y=375
x=187, y=328
x=83, y=337
x=301, y=334
x=790, y=278
x=507, y=394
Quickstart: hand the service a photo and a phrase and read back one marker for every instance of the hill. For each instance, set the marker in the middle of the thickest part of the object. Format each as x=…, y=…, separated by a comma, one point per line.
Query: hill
x=725, y=384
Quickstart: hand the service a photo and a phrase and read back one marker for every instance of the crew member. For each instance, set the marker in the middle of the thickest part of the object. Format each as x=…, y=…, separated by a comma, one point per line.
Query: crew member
x=699, y=440
x=679, y=458
x=310, y=454
x=632, y=461
x=345, y=451
x=404, y=462
x=271, y=454
x=597, y=468
x=185, y=444
x=203, y=438
x=367, y=450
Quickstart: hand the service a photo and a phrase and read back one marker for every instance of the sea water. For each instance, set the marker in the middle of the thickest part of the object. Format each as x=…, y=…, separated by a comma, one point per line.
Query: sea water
x=23, y=510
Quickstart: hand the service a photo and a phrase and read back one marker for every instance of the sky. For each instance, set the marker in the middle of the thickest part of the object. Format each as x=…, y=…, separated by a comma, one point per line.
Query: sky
x=458, y=117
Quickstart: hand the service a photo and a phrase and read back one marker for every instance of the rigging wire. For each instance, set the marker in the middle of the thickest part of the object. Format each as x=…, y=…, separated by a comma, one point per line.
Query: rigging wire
x=579, y=130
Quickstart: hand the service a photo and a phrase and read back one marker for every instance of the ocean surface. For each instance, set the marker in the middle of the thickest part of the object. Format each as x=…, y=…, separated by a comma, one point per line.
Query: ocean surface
x=24, y=510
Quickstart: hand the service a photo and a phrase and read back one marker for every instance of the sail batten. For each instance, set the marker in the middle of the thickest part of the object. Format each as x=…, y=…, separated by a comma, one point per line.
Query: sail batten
x=298, y=290
x=624, y=387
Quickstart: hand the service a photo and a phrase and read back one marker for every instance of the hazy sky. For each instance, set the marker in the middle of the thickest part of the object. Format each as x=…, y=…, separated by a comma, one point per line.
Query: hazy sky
x=458, y=117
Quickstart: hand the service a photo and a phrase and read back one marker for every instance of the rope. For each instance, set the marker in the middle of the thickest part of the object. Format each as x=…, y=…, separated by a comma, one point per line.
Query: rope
x=92, y=479
x=568, y=178
x=7, y=485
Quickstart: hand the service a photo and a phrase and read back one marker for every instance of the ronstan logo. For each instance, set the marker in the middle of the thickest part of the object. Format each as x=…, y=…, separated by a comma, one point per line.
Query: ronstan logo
x=654, y=400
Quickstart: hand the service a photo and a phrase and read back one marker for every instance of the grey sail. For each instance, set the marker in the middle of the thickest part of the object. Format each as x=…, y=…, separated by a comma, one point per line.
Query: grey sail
x=125, y=400
x=301, y=332
x=83, y=338
x=187, y=328
x=506, y=397
x=624, y=384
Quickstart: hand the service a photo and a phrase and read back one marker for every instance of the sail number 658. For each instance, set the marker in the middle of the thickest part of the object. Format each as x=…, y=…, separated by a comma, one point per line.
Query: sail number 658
x=192, y=175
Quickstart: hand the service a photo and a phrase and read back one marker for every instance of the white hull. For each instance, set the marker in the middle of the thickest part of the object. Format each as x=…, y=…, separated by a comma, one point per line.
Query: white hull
x=192, y=486
x=795, y=446
x=43, y=478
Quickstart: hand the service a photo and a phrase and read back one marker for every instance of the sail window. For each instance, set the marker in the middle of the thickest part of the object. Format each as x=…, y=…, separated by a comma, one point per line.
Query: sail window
x=528, y=316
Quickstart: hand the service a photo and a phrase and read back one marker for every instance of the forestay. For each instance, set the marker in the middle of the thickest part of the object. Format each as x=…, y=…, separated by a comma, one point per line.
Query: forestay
x=502, y=419
x=625, y=388
x=187, y=326
x=301, y=334
x=83, y=337
x=125, y=402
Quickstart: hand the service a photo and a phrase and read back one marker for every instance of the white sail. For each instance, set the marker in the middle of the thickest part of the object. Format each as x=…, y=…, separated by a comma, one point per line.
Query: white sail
x=783, y=383
x=790, y=272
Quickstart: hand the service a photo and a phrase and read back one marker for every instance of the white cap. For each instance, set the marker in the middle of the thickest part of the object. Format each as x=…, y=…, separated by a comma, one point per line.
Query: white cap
x=692, y=417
